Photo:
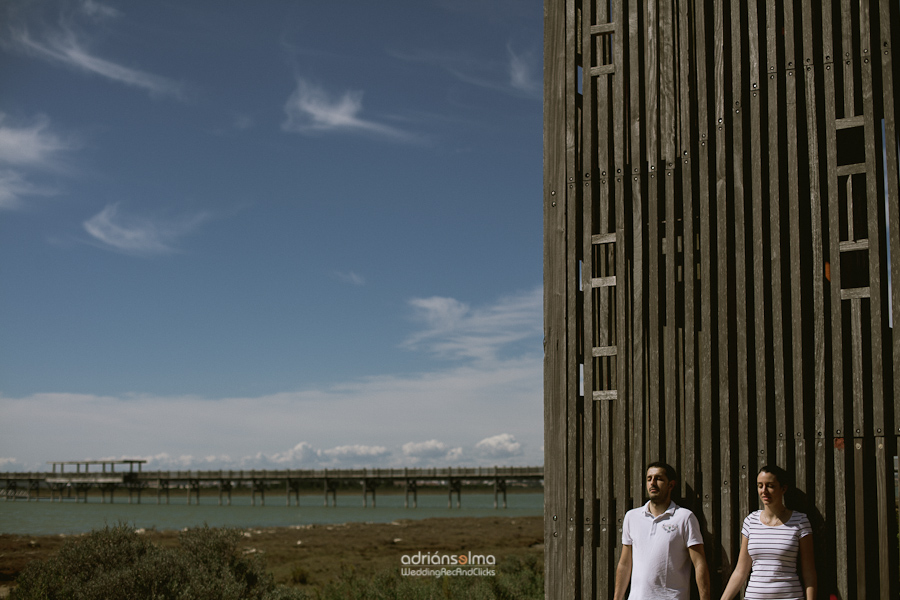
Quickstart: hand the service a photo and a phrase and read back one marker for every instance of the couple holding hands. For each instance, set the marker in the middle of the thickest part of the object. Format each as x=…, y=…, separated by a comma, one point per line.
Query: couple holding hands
x=661, y=540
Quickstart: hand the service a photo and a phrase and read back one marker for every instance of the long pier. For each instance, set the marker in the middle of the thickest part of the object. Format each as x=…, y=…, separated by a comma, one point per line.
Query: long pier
x=131, y=477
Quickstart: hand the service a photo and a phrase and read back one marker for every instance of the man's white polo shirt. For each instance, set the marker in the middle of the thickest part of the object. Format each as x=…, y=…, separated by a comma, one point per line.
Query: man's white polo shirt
x=661, y=565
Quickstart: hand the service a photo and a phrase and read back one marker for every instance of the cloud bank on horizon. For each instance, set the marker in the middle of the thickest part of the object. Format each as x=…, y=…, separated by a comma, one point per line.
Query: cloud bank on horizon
x=316, y=243
x=483, y=408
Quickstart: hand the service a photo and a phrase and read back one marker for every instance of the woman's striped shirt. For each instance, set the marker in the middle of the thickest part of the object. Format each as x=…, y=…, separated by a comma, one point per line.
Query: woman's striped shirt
x=774, y=552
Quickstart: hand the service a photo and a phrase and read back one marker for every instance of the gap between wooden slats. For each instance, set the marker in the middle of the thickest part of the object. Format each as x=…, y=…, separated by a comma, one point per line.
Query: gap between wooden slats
x=887, y=40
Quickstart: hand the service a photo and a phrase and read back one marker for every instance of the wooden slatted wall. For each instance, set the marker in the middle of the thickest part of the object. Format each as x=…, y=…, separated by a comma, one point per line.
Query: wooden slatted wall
x=721, y=206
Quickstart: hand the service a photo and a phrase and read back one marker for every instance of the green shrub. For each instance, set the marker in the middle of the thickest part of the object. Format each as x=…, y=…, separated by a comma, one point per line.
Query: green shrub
x=299, y=575
x=116, y=562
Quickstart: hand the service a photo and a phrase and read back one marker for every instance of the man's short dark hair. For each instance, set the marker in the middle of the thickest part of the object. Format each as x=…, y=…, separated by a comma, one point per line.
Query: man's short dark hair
x=781, y=476
x=671, y=473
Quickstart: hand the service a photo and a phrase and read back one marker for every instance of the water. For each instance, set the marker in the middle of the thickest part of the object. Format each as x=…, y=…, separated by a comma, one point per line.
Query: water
x=47, y=518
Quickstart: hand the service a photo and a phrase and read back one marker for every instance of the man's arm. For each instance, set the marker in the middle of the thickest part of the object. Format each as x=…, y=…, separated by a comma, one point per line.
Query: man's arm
x=701, y=571
x=623, y=574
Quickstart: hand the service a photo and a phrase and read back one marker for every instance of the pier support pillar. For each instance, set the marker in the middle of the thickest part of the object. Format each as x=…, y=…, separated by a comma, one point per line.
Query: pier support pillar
x=34, y=485
x=224, y=486
x=369, y=485
x=411, y=487
x=59, y=488
x=193, y=485
x=258, y=486
x=162, y=485
x=331, y=488
x=134, y=488
x=292, y=485
x=82, y=488
x=455, y=486
x=499, y=486
x=107, y=487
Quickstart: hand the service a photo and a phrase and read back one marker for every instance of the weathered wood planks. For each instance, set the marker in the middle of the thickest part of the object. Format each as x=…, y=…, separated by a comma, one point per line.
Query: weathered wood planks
x=718, y=283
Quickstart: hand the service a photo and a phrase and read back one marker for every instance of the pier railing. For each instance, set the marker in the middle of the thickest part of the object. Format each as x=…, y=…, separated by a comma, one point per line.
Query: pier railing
x=61, y=484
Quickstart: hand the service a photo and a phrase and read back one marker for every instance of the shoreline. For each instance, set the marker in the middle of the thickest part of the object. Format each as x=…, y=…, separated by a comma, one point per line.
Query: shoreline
x=211, y=491
x=308, y=556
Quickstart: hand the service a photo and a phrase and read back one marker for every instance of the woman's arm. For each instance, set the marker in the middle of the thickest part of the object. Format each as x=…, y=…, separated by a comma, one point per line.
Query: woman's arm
x=740, y=573
x=808, y=567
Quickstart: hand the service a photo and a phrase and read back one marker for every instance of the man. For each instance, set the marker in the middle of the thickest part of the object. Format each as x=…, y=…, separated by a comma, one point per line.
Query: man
x=660, y=540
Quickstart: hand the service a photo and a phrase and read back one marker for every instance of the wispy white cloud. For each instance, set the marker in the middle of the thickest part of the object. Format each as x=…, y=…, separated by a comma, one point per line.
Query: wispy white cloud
x=516, y=74
x=25, y=148
x=13, y=188
x=350, y=277
x=98, y=10
x=31, y=145
x=65, y=43
x=355, y=452
x=139, y=235
x=431, y=448
x=65, y=48
x=524, y=72
x=242, y=122
x=310, y=109
x=502, y=446
x=432, y=452
x=453, y=329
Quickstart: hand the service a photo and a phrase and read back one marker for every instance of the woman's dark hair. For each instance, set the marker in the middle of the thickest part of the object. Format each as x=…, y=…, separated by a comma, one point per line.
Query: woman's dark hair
x=781, y=476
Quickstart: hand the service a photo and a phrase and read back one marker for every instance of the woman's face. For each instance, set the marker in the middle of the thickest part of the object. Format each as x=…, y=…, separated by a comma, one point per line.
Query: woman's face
x=770, y=491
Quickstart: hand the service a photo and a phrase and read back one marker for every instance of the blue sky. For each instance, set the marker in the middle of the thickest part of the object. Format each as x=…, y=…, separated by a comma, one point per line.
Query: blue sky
x=280, y=234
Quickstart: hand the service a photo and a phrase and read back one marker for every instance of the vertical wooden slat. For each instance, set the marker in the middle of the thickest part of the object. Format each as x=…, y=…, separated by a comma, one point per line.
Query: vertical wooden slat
x=859, y=488
x=667, y=146
x=591, y=147
x=841, y=545
x=884, y=475
x=706, y=287
x=638, y=352
x=816, y=252
x=651, y=67
x=690, y=453
x=740, y=260
x=893, y=193
x=797, y=367
x=573, y=360
x=760, y=282
x=874, y=205
x=834, y=237
x=773, y=118
x=815, y=221
x=601, y=489
x=726, y=506
x=556, y=367
x=836, y=317
x=620, y=463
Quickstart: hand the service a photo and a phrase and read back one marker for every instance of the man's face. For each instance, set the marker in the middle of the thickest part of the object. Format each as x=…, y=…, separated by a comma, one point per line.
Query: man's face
x=659, y=486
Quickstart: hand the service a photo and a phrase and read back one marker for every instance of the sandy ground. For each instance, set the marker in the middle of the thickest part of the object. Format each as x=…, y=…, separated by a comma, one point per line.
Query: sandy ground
x=310, y=555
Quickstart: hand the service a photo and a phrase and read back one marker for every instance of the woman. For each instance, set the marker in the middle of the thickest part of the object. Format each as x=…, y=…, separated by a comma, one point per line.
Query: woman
x=774, y=541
